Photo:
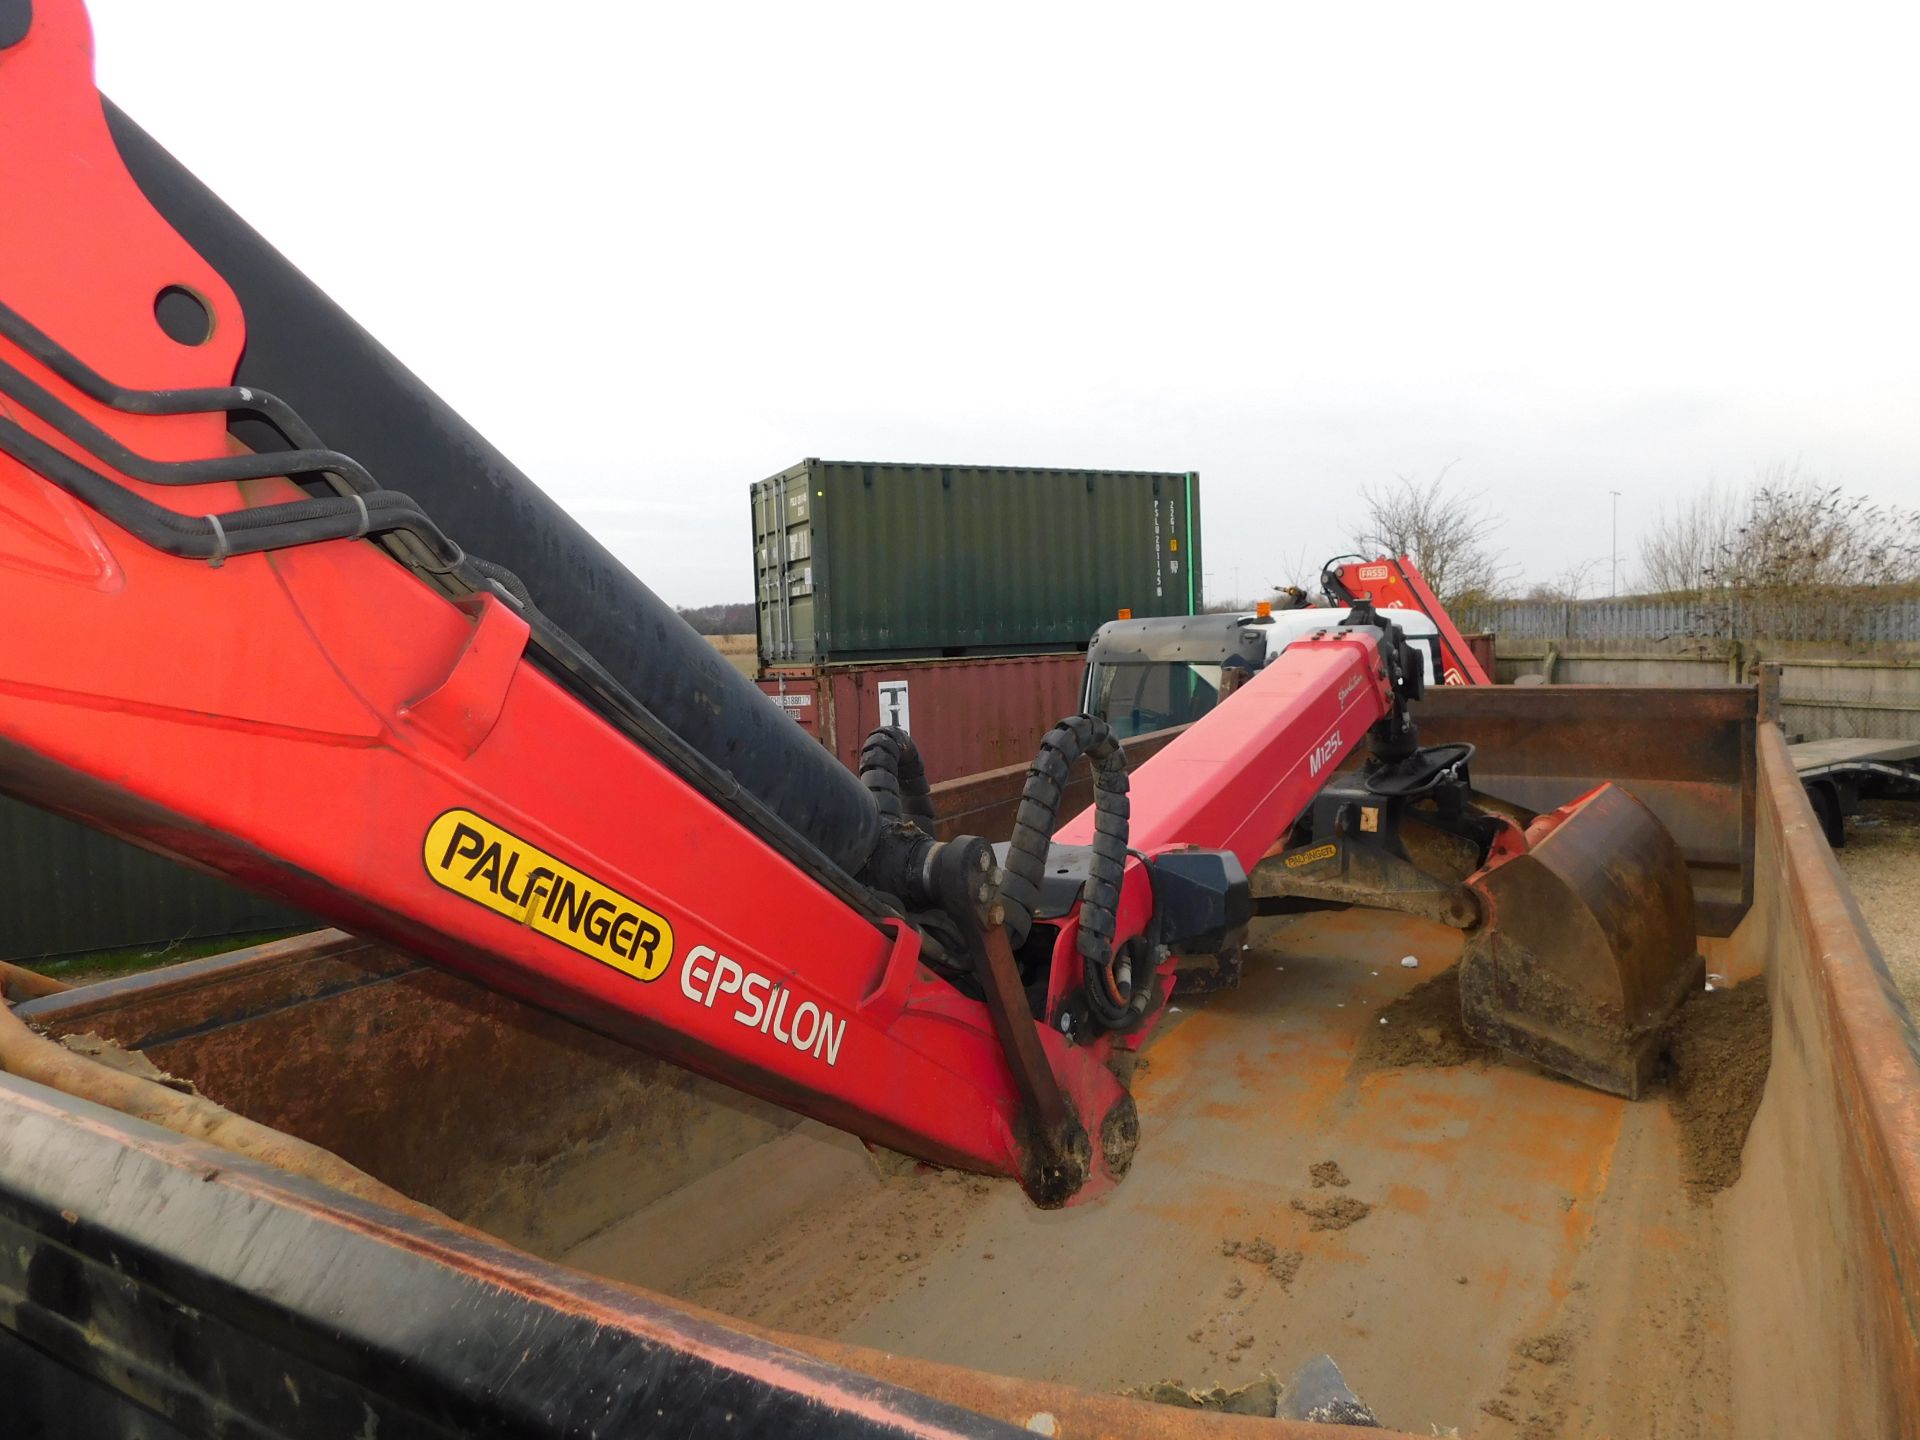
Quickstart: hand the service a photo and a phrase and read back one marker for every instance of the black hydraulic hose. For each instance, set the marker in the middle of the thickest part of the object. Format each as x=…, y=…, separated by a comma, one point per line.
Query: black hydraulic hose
x=349, y=475
x=505, y=579
x=198, y=400
x=1111, y=997
x=1330, y=584
x=309, y=457
x=214, y=537
x=892, y=771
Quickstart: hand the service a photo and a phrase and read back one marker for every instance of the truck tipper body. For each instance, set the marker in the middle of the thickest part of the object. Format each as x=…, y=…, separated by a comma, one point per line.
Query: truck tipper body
x=1466, y=1238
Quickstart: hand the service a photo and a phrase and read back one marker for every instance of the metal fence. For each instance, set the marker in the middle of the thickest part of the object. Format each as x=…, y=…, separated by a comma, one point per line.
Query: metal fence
x=67, y=889
x=1839, y=618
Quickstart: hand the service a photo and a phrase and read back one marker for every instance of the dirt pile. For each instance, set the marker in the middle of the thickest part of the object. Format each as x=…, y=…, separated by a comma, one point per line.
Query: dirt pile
x=1328, y=1172
x=1335, y=1214
x=1286, y=1267
x=1721, y=1048
x=1422, y=1027
x=1255, y=1251
x=1282, y=1265
x=1548, y=1349
x=1261, y=1397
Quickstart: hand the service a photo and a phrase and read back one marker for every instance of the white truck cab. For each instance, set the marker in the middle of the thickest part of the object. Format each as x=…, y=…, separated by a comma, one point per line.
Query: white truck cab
x=1146, y=675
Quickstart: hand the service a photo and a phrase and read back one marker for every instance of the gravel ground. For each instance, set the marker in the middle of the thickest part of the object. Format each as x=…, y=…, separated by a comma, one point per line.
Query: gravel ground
x=1882, y=861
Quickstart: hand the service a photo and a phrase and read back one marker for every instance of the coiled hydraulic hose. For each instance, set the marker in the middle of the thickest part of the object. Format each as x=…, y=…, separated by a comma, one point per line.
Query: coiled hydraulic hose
x=891, y=769
x=1116, y=997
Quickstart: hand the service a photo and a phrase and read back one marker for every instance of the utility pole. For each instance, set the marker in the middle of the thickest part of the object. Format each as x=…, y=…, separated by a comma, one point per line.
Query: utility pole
x=1616, y=542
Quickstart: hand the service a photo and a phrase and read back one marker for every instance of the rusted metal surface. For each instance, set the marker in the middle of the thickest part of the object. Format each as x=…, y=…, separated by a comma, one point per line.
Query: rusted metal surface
x=330, y=1037
x=1365, y=875
x=26, y=1053
x=19, y=983
x=1521, y=1185
x=1032, y=1404
x=1831, y=1172
x=1059, y=1154
x=966, y=715
x=1686, y=754
x=1482, y=646
x=305, y=1303
x=1586, y=946
x=1219, y=1057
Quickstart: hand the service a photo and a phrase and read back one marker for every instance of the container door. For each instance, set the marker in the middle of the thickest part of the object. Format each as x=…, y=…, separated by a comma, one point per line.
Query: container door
x=783, y=567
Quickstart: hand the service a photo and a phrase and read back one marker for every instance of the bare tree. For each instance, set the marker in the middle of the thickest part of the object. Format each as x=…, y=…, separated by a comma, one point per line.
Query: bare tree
x=1445, y=531
x=1690, y=542
x=1787, y=531
x=1571, y=583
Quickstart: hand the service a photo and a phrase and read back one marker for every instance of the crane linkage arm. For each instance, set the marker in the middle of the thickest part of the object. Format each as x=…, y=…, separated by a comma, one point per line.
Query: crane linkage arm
x=1397, y=584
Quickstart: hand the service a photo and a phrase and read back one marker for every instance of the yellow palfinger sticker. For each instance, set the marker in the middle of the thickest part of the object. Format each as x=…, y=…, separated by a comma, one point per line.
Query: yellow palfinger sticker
x=1311, y=857
x=478, y=860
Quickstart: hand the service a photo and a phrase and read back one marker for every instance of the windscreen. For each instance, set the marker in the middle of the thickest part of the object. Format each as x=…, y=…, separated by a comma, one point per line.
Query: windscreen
x=1136, y=699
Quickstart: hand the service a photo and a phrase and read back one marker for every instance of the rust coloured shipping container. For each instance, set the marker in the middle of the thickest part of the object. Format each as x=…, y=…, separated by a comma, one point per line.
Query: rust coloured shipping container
x=1483, y=649
x=965, y=715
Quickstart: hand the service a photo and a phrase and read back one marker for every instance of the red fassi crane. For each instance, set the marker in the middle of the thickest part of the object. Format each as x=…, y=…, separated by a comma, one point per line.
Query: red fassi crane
x=1397, y=584
x=306, y=684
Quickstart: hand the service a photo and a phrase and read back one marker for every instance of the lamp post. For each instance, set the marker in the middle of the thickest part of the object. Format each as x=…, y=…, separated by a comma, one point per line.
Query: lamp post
x=1616, y=542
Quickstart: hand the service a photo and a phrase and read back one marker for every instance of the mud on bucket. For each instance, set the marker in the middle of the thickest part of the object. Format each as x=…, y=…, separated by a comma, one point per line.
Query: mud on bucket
x=1586, y=945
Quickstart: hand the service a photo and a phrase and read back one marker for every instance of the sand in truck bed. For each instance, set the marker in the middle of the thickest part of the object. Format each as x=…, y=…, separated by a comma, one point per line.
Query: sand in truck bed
x=1510, y=1255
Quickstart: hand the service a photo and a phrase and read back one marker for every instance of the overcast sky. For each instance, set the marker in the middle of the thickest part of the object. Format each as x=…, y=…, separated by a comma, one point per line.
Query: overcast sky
x=1296, y=248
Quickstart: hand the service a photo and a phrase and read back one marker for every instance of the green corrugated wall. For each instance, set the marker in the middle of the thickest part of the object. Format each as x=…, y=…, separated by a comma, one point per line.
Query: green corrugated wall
x=65, y=889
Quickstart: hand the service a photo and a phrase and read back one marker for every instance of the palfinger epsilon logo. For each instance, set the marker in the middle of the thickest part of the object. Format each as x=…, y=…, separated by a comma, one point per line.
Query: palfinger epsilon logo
x=479, y=861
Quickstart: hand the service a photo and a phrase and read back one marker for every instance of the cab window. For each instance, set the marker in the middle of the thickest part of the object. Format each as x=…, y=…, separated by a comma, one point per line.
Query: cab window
x=1137, y=699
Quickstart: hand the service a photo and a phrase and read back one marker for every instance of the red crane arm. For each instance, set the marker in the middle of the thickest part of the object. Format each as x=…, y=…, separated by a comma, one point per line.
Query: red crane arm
x=237, y=672
x=1243, y=772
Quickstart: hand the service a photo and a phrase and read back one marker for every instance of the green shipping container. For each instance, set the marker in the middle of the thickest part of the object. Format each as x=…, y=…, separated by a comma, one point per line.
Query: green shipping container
x=856, y=560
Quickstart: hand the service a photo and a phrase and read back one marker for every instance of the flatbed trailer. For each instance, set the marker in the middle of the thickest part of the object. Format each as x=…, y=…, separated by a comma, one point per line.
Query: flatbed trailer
x=1838, y=772
x=629, y=1249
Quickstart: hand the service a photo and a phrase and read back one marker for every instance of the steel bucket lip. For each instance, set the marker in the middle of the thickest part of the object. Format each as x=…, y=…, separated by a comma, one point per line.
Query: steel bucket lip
x=1587, y=945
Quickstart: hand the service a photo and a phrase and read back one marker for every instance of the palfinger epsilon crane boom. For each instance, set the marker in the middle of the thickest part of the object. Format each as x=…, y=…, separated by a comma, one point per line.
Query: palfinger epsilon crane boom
x=250, y=626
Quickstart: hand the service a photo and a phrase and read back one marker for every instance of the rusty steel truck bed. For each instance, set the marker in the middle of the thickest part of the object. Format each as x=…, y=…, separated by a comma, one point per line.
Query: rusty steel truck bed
x=1327, y=1167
